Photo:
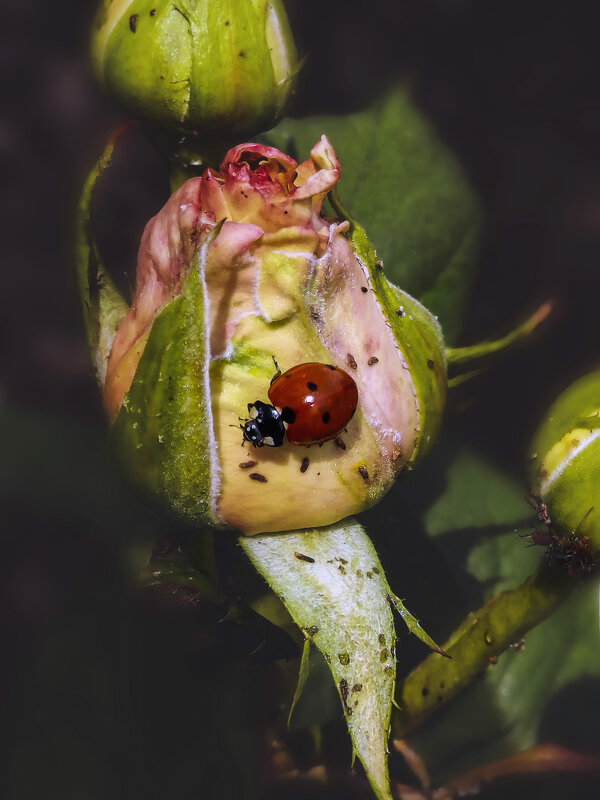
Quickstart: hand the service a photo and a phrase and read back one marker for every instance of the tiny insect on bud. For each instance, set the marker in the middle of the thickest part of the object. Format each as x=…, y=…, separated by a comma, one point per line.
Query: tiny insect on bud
x=565, y=474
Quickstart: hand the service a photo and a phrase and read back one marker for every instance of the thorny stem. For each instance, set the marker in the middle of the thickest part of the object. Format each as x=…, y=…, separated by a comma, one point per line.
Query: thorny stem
x=485, y=633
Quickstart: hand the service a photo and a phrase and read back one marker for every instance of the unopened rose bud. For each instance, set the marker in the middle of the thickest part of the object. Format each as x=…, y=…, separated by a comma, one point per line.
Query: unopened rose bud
x=241, y=268
x=565, y=466
x=217, y=68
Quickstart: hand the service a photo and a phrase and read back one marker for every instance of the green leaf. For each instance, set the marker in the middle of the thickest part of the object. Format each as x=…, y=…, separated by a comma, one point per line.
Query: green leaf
x=404, y=186
x=164, y=430
x=466, y=519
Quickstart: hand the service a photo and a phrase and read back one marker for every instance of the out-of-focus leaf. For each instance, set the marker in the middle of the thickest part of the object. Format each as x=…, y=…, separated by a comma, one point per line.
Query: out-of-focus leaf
x=462, y=518
x=404, y=186
x=62, y=469
x=104, y=695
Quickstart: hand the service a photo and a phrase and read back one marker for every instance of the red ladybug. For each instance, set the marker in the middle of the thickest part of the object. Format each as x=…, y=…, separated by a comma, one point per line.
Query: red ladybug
x=316, y=401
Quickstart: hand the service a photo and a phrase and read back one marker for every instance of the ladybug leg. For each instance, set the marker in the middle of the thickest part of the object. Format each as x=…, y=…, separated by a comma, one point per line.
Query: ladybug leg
x=277, y=370
x=241, y=427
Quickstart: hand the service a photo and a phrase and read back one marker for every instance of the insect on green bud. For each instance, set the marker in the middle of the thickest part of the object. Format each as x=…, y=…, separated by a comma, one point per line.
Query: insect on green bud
x=241, y=268
x=565, y=473
x=216, y=68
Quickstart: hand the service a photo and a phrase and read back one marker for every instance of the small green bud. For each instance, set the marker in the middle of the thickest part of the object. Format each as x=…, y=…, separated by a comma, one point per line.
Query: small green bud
x=217, y=68
x=565, y=462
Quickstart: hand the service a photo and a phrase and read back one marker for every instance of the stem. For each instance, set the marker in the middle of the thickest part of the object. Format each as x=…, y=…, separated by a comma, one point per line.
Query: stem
x=187, y=155
x=486, y=633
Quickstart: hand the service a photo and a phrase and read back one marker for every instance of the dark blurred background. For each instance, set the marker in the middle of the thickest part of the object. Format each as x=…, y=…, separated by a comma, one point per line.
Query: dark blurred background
x=512, y=87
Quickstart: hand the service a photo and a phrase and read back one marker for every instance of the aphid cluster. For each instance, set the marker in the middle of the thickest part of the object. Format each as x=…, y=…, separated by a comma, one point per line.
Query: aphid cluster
x=574, y=553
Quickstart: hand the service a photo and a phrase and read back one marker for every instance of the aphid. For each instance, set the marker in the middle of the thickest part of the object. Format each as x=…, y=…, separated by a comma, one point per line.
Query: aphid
x=302, y=557
x=315, y=401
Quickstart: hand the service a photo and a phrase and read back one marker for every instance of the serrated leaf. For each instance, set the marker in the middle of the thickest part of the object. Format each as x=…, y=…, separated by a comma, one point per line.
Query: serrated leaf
x=404, y=186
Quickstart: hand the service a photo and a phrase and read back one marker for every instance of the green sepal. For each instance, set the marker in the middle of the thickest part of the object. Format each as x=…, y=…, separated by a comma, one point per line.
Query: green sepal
x=414, y=626
x=104, y=308
x=164, y=430
x=302, y=678
x=333, y=585
x=477, y=642
x=459, y=356
x=416, y=331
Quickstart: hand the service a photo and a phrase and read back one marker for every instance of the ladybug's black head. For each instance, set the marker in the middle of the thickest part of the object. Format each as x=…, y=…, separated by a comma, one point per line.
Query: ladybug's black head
x=266, y=426
x=252, y=433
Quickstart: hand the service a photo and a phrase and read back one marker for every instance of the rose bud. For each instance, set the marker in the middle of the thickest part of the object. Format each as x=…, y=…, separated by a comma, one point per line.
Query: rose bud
x=218, y=68
x=565, y=472
x=241, y=268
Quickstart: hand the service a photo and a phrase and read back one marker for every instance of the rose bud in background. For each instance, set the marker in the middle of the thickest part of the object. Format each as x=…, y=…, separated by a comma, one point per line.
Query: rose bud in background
x=565, y=475
x=221, y=69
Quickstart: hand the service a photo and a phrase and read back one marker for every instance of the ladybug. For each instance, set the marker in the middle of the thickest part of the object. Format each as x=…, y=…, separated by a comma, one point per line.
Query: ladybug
x=316, y=402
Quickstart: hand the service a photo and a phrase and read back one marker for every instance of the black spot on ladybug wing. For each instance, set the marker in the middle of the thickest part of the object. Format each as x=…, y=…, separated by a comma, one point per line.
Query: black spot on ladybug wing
x=330, y=366
x=288, y=415
x=312, y=386
x=325, y=417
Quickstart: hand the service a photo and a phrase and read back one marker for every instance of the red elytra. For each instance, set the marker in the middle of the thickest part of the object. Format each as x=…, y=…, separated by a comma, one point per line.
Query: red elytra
x=323, y=398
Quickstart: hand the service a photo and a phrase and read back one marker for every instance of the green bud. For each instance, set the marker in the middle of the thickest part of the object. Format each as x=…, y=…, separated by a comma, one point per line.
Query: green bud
x=565, y=462
x=215, y=68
